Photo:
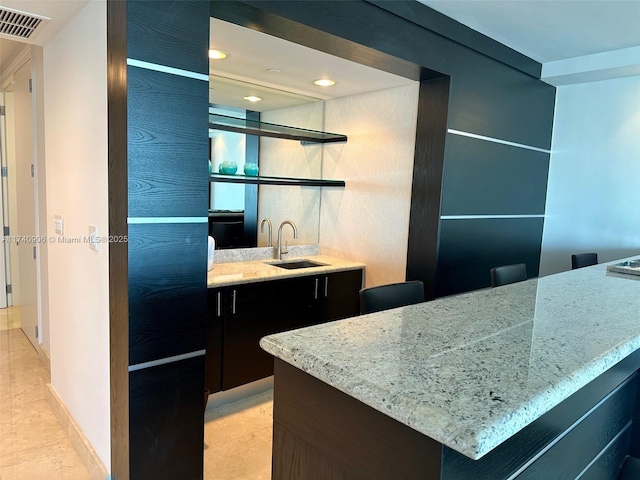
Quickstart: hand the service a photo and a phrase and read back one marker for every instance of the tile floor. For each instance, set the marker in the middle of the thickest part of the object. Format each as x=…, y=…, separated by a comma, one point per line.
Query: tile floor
x=33, y=445
x=237, y=439
x=32, y=442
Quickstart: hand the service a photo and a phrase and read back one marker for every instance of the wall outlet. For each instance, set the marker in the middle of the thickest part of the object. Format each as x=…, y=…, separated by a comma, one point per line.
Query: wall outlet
x=58, y=223
x=93, y=238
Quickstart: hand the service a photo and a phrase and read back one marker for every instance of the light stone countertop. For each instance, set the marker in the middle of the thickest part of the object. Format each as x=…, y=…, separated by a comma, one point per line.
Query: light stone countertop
x=234, y=273
x=472, y=370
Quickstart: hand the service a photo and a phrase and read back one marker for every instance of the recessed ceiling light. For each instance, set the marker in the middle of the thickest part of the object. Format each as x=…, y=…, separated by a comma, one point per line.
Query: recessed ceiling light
x=324, y=82
x=217, y=54
x=273, y=70
x=252, y=98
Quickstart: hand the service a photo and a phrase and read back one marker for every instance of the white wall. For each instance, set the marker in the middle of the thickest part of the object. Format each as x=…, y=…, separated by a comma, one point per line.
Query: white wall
x=593, y=202
x=368, y=220
x=75, y=73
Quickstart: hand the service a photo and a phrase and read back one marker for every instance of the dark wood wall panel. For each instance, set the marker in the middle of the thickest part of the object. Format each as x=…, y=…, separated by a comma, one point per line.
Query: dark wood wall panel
x=167, y=290
x=487, y=178
x=573, y=453
x=170, y=33
x=496, y=101
x=449, y=28
x=470, y=248
x=424, y=220
x=168, y=144
x=118, y=268
x=167, y=433
x=333, y=425
x=607, y=467
x=487, y=97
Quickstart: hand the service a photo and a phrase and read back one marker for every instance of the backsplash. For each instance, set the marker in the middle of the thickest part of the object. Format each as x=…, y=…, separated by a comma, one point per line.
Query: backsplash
x=263, y=253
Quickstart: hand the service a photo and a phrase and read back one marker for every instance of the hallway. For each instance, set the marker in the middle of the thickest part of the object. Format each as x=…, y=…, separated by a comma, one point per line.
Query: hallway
x=32, y=442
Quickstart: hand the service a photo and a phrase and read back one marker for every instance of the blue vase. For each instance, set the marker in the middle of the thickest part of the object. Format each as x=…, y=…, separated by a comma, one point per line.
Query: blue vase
x=228, y=167
x=251, y=169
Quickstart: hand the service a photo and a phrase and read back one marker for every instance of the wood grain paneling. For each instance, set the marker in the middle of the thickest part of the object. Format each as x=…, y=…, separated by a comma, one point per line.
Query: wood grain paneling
x=490, y=99
x=426, y=190
x=578, y=448
x=166, y=421
x=171, y=33
x=118, y=265
x=168, y=144
x=607, y=467
x=487, y=97
x=487, y=178
x=259, y=17
x=469, y=248
x=167, y=290
x=332, y=425
x=299, y=460
x=451, y=29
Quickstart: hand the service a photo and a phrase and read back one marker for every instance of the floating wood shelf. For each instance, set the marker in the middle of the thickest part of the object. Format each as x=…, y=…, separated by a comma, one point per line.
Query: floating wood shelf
x=263, y=180
x=263, y=129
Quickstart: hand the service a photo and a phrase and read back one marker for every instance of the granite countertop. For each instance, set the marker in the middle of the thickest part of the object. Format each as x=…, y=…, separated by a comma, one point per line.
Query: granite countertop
x=234, y=273
x=472, y=370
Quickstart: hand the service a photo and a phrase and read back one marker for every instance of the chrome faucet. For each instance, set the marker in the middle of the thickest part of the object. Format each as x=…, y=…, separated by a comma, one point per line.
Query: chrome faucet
x=267, y=221
x=279, y=252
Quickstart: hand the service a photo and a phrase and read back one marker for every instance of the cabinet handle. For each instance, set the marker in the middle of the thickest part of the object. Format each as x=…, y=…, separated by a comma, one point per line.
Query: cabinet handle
x=326, y=287
x=315, y=292
x=233, y=303
x=219, y=310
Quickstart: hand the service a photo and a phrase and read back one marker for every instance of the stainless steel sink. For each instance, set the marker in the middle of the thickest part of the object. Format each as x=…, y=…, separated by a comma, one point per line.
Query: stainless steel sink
x=295, y=264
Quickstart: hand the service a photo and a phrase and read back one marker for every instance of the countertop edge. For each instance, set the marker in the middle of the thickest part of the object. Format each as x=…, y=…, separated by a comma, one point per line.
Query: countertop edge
x=486, y=439
x=271, y=272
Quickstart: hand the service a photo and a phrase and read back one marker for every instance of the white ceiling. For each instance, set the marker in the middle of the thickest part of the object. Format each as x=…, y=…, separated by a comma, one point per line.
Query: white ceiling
x=603, y=34
x=548, y=30
x=58, y=12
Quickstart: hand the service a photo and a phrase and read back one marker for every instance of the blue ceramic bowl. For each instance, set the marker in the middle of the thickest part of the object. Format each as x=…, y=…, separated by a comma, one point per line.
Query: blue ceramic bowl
x=228, y=167
x=251, y=169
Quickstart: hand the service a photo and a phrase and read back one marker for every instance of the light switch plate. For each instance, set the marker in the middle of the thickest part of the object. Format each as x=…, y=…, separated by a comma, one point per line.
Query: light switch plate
x=93, y=237
x=58, y=223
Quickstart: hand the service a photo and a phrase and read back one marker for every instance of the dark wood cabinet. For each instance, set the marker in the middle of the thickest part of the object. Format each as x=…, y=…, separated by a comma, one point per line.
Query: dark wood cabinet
x=248, y=316
x=240, y=315
x=339, y=296
x=213, y=367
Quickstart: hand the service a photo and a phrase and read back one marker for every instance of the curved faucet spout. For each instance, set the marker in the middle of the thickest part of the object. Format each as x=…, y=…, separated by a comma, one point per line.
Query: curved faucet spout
x=280, y=251
x=268, y=222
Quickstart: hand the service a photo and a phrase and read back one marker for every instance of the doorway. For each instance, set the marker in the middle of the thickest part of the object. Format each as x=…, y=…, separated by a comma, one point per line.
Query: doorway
x=19, y=202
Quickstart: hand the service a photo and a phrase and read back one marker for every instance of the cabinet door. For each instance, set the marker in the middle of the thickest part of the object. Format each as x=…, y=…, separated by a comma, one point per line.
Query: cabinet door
x=213, y=367
x=249, y=316
x=297, y=300
x=340, y=293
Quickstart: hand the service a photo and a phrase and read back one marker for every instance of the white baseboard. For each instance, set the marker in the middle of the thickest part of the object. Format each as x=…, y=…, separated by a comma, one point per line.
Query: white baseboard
x=87, y=454
x=44, y=357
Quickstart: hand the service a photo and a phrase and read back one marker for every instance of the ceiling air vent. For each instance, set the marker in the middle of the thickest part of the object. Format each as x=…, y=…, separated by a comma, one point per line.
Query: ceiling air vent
x=17, y=24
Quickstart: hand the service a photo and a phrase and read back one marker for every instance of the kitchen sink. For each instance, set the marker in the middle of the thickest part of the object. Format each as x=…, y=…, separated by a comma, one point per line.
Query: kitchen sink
x=295, y=264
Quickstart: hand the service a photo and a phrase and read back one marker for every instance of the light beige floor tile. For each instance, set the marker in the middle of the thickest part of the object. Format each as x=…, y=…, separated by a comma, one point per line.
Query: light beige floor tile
x=238, y=439
x=239, y=419
x=33, y=445
x=245, y=458
x=57, y=461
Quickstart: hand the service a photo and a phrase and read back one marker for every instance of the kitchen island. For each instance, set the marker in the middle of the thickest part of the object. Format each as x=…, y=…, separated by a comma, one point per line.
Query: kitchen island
x=531, y=380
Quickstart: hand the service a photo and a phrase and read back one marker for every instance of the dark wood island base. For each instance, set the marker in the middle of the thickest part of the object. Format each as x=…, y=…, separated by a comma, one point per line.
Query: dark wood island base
x=321, y=433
